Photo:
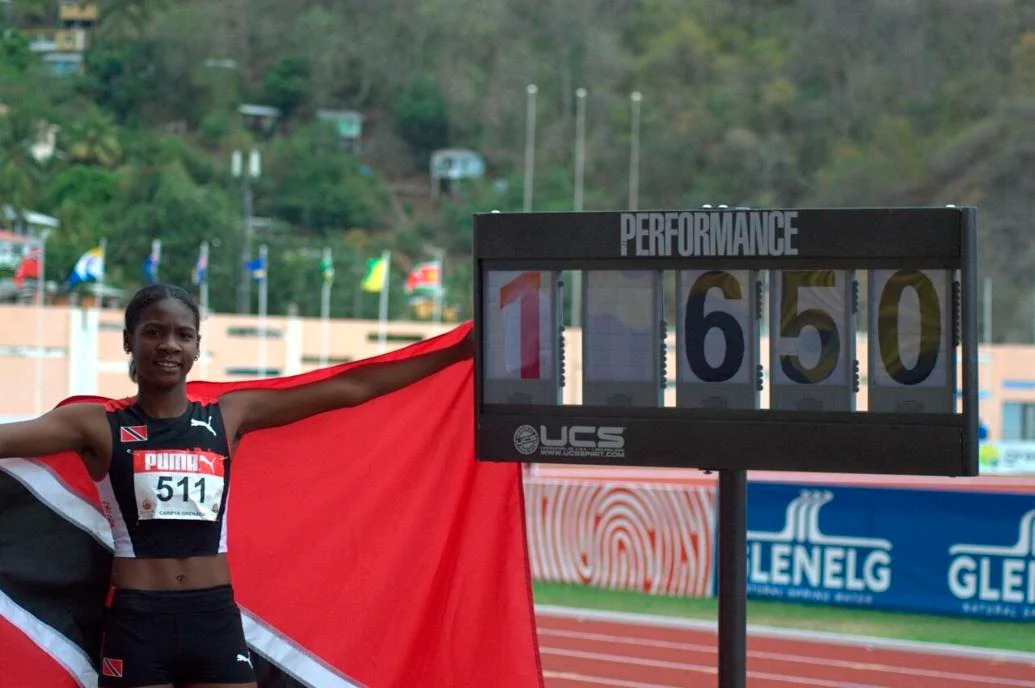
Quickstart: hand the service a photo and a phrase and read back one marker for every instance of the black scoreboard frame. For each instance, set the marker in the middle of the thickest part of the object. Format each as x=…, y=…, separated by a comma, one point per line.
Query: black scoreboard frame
x=856, y=239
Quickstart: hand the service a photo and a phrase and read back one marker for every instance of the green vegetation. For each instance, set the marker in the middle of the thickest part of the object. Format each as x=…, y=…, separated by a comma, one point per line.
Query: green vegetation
x=745, y=102
x=1002, y=635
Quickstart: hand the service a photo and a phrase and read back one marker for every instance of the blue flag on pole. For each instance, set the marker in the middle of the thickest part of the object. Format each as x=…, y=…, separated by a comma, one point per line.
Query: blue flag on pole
x=257, y=268
x=151, y=264
x=89, y=267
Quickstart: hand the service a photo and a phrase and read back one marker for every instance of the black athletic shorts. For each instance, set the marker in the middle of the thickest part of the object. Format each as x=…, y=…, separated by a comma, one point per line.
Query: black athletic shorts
x=174, y=637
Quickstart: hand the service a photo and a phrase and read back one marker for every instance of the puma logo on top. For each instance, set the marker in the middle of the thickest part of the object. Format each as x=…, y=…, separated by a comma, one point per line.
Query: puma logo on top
x=244, y=658
x=207, y=424
x=211, y=463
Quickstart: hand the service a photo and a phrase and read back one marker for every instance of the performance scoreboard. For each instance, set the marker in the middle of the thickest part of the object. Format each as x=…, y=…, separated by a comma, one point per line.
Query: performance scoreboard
x=766, y=314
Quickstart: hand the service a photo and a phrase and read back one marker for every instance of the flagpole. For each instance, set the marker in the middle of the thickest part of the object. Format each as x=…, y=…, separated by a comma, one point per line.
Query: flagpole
x=440, y=257
x=41, y=286
x=263, y=287
x=99, y=301
x=156, y=256
x=203, y=280
x=382, y=338
x=325, y=308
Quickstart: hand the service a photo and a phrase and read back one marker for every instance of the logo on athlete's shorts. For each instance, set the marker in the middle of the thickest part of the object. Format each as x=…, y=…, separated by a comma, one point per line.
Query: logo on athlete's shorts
x=526, y=439
x=111, y=667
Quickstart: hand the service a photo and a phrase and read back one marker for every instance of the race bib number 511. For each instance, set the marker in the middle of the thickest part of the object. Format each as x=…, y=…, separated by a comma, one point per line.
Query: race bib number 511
x=181, y=485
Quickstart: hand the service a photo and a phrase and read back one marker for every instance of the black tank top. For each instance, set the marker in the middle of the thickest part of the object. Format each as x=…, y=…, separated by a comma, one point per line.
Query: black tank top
x=166, y=490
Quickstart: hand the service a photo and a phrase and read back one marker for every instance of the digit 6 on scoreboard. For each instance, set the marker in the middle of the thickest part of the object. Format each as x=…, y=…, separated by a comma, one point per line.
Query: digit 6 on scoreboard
x=522, y=330
x=717, y=339
x=812, y=340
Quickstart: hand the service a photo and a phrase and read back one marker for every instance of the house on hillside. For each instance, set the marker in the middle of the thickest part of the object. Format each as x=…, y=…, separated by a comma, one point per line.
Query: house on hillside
x=449, y=165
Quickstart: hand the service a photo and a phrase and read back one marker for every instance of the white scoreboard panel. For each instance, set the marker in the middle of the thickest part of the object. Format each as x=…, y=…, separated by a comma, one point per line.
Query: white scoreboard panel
x=622, y=338
x=812, y=340
x=523, y=329
x=697, y=275
x=717, y=339
x=912, y=357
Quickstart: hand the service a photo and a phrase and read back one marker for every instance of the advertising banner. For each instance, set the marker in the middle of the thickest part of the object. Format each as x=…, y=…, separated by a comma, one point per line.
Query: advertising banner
x=959, y=553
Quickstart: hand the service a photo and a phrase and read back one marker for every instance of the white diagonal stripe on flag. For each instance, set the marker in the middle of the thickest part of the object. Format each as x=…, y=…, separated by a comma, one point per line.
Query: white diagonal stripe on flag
x=50, y=490
x=62, y=650
x=291, y=657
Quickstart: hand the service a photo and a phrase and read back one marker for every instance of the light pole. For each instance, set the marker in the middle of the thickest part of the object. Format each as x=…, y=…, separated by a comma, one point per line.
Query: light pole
x=580, y=166
x=634, y=150
x=244, y=288
x=530, y=90
x=580, y=144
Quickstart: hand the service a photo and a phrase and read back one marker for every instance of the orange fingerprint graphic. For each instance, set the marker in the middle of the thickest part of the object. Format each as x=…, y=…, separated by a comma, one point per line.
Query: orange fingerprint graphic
x=649, y=538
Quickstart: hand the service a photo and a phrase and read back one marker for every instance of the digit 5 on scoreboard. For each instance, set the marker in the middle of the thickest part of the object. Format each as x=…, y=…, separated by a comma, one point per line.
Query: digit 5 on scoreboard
x=522, y=335
x=912, y=357
x=717, y=339
x=812, y=340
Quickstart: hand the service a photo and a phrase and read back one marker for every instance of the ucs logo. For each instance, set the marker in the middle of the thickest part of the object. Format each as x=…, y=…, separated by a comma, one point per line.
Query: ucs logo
x=571, y=440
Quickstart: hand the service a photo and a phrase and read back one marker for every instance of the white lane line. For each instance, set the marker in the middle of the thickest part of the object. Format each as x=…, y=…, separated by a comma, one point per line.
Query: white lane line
x=992, y=655
x=694, y=668
x=601, y=680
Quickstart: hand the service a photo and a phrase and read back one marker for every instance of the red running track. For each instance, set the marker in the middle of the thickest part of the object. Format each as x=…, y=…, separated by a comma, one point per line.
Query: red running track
x=584, y=648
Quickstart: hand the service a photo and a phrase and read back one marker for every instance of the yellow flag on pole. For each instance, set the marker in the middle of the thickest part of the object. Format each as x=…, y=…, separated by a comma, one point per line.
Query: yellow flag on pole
x=377, y=273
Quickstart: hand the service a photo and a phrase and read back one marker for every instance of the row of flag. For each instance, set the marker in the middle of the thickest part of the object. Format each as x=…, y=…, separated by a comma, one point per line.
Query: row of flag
x=423, y=279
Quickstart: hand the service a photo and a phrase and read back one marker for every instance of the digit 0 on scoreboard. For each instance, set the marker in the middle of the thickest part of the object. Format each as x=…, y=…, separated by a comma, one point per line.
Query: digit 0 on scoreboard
x=812, y=340
x=522, y=330
x=622, y=339
x=912, y=358
x=717, y=341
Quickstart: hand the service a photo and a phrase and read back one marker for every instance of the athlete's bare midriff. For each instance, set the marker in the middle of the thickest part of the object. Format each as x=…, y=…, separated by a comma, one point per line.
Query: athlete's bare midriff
x=173, y=573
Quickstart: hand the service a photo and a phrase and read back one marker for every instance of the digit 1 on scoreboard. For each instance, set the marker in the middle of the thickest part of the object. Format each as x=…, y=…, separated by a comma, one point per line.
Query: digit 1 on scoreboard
x=912, y=357
x=717, y=342
x=521, y=337
x=622, y=345
x=812, y=340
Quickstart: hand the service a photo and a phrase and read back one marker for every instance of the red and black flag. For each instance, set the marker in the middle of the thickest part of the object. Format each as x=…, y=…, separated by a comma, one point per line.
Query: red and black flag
x=367, y=545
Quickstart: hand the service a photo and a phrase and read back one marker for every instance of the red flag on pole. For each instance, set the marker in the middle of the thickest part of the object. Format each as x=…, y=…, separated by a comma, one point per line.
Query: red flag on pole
x=28, y=268
x=367, y=545
x=424, y=276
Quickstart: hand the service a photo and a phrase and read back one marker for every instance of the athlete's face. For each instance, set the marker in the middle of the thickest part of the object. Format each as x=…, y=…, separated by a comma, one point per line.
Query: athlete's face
x=164, y=343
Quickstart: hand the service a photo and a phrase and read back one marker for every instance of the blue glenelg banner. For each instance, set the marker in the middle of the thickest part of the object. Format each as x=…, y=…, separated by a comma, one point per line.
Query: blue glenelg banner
x=961, y=553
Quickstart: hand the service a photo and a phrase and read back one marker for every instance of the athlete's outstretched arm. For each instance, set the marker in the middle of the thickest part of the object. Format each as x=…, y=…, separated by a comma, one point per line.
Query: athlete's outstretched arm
x=76, y=427
x=252, y=409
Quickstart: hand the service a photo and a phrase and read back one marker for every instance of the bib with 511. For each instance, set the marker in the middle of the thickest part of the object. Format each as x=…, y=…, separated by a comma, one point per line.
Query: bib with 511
x=178, y=484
